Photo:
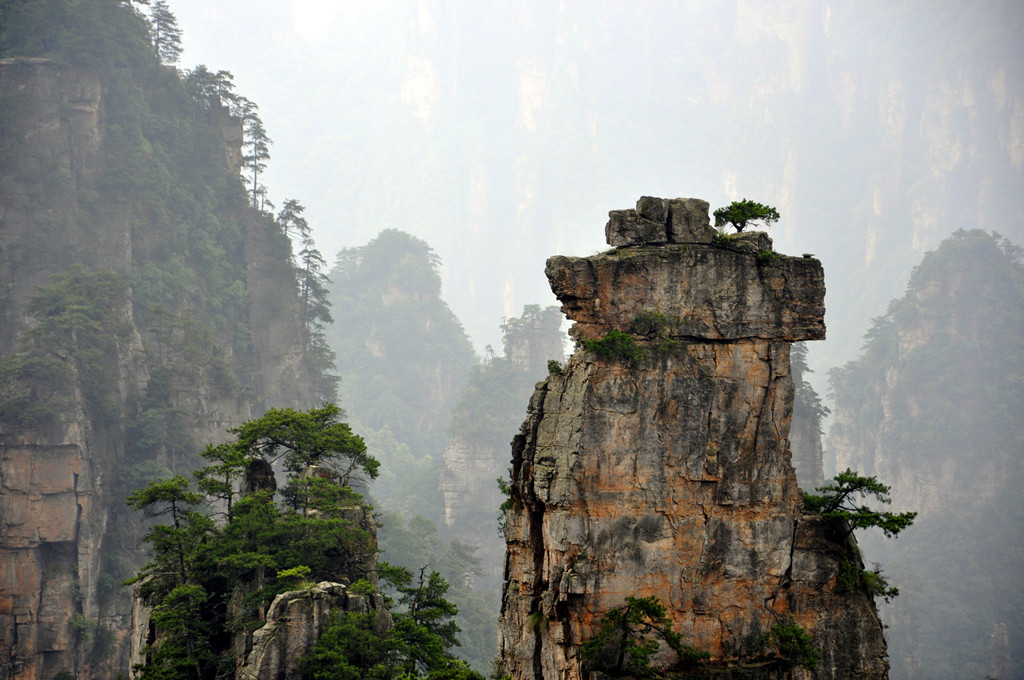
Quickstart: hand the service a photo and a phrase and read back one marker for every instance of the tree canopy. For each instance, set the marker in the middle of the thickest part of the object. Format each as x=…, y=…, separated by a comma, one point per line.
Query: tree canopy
x=837, y=502
x=741, y=213
x=208, y=580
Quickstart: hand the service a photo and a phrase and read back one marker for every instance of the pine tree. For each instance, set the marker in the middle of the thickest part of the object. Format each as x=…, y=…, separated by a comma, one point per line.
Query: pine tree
x=255, y=150
x=205, y=85
x=315, y=303
x=164, y=32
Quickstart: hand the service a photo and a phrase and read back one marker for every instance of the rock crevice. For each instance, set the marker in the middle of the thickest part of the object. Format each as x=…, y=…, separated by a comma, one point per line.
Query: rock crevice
x=669, y=474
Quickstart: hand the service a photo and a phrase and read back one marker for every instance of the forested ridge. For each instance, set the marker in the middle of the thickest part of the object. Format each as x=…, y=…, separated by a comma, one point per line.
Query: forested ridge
x=934, y=405
x=150, y=296
x=155, y=293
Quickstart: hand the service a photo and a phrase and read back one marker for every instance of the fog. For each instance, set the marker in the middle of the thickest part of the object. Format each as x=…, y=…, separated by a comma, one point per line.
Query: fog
x=496, y=135
x=502, y=133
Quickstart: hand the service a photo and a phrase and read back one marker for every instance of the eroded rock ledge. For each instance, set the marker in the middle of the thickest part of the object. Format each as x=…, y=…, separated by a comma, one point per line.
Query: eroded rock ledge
x=670, y=475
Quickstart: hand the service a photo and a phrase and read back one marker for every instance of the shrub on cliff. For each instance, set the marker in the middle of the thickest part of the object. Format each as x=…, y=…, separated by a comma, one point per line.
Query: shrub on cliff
x=630, y=635
x=741, y=213
x=792, y=644
x=615, y=345
x=837, y=504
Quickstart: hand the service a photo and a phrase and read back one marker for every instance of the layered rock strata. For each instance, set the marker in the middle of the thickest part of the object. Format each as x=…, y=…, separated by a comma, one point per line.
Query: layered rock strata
x=668, y=473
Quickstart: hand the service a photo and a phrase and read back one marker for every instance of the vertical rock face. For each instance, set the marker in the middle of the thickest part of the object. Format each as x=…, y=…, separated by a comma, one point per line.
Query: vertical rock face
x=66, y=543
x=667, y=472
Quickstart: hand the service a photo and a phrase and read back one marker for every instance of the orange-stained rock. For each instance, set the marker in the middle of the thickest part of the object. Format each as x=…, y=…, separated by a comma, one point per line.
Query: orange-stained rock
x=670, y=475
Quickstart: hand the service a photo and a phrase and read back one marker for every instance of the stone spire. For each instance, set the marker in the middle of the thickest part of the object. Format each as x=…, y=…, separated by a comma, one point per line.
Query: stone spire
x=663, y=469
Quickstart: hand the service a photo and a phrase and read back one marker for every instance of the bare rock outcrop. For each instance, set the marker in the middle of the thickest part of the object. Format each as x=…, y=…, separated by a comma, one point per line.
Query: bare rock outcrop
x=668, y=473
x=294, y=622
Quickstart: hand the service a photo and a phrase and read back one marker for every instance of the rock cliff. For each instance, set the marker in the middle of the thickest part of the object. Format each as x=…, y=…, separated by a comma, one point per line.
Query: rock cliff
x=933, y=408
x=663, y=468
x=179, y=346
x=294, y=622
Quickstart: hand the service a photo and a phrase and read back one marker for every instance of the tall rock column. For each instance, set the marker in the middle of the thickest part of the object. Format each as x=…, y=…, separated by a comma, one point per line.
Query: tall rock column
x=664, y=469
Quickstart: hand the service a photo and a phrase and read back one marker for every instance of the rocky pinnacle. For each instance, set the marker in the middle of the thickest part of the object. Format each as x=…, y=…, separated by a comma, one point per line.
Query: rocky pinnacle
x=663, y=469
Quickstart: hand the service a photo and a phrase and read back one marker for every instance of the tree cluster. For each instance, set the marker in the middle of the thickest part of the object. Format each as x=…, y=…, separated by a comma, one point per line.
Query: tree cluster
x=356, y=647
x=212, y=575
x=315, y=309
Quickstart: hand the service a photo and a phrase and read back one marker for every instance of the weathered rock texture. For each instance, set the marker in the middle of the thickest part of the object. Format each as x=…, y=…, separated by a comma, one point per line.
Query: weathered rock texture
x=670, y=475
x=66, y=543
x=294, y=622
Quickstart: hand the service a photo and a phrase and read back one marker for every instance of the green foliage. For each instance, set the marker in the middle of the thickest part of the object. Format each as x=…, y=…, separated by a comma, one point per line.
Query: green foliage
x=356, y=645
x=766, y=258
x=307, y=438
x=876, y=584
x=505, y=487
x=630, y=635
x=315, y=309
x=208, y=580
x=164, y=33
x=409, y=544
x=350, y=649
x=363, y=587
x=255, y=151
x=793, y=644
x=615, y=345
x=81, y=627
x=836, y=503
x=873, y=582
x=651, y=324
x=81, y=324
x=741, y=213
x=82, y=33
x=555, y=367
x=296, y=577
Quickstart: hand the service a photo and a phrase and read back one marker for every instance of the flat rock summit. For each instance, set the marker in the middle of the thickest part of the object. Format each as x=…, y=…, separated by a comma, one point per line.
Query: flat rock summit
x=657, y=462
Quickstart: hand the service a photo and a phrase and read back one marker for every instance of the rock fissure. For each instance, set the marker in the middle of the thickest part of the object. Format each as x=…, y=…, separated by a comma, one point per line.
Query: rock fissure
x=682, y=486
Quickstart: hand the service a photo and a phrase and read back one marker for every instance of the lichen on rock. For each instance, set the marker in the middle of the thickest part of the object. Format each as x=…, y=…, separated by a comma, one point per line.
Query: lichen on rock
x=669, y=475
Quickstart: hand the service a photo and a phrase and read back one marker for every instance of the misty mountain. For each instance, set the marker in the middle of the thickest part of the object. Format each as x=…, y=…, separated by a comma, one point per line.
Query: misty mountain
x=501, y=134
x=934, y=407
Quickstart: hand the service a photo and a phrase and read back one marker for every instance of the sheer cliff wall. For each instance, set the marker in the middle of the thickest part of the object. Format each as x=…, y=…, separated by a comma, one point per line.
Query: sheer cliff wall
x=668, y=473
x=163, y=379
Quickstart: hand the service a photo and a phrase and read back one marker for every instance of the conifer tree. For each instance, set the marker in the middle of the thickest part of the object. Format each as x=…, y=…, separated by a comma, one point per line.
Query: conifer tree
x=205, y=85
x=315, y=314
x=164, y=32
x=255, y=150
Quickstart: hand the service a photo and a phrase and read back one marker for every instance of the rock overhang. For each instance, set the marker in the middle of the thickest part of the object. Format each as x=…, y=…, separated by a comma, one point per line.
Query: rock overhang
x=668, y=260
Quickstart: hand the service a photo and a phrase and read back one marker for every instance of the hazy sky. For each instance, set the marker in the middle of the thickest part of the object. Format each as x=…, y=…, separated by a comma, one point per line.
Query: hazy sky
x=502, y=133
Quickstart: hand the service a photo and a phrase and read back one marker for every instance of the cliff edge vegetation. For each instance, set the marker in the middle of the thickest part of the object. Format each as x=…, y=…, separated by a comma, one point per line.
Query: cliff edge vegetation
x=149, y=300
x=651, y=483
